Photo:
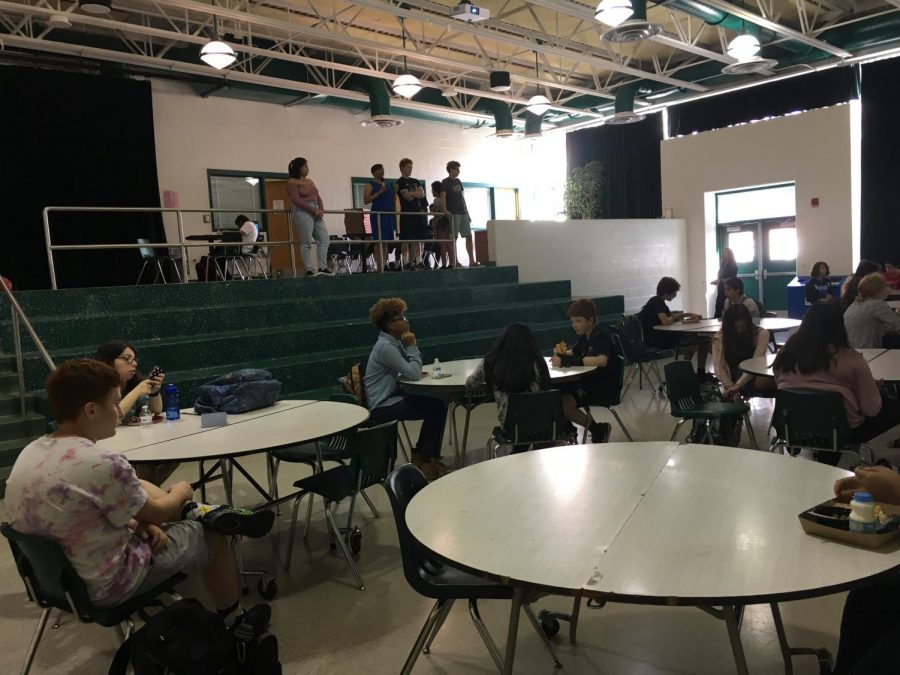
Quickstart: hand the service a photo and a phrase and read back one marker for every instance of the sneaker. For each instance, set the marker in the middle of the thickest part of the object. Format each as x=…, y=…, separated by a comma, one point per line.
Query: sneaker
x=409, y=267
x=230, y=521
x=325, y=272
x=600, y=432
x=310, y=273
x=431, y=470
x=420, y=266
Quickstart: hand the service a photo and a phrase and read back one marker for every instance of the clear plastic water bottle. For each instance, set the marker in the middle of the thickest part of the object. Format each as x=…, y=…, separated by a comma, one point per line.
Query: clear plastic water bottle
x=436, y=370
x=146, y=416
x=173, y=409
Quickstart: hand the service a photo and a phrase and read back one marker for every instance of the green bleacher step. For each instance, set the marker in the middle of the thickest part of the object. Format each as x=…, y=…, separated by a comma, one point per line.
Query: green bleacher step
x=30, y=425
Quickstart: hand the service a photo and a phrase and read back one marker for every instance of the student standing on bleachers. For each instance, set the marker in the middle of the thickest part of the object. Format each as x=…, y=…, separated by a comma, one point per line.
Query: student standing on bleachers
x=413, y=221
x=307, y=211
x=396, y=355
x=453, y=201
x=379, y=194
x=441, y=226
x=600, y=387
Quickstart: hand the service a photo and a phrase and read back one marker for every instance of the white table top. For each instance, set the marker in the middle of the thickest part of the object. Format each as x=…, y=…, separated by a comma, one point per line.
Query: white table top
x=644, y=522
x=775, y=324
x=886, y=366
x=762, y=365
x=285, y=423
x=461, y=369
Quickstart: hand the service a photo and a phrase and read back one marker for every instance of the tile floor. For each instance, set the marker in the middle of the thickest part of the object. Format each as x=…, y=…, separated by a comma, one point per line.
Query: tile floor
x=325, y=625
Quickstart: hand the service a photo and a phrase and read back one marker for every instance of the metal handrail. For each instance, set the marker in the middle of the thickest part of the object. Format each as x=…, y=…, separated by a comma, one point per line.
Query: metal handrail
x=184, y=245
x=19, y=314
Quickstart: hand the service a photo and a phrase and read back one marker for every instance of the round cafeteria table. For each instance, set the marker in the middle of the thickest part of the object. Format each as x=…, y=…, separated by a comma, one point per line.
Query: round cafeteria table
x=646, y=523
x=451, y=387
x=884, y=364
x=712, y=326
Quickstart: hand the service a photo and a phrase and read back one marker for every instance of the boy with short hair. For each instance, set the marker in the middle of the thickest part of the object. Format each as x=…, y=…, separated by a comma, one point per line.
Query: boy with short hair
x=122, y=535
x=453, y=201
x=734, y=295
x=593, y=348
x=657, y=313
x=413, y=221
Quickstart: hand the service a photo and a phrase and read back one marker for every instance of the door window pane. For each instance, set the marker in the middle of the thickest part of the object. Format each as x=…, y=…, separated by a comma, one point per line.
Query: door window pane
x=783, y=244
x=743, y=244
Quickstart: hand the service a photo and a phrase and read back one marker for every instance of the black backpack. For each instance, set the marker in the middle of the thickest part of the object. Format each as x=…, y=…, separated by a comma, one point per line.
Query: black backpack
x=186, y=639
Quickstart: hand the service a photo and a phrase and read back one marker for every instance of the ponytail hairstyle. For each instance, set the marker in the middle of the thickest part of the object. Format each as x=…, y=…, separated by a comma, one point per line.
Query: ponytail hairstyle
x=294, y=167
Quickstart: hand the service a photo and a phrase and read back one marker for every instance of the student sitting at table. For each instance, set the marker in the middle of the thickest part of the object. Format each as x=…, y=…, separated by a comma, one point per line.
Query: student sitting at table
x=122, y=535
x=818, y=288
x=396, y=355
x=657, y=313
x=600, y=387
x=734, y=295
x=818, y=356
x=870, y=321
x=848, y=288
x=513, y=366
x=870, y=625
x=739, y=340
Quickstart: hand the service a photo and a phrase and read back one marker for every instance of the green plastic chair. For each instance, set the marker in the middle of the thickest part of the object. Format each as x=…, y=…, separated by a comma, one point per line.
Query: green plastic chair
x=683, y=391
x=372, y=452
x=52, y=582
x=531, y=417
x=810, y=419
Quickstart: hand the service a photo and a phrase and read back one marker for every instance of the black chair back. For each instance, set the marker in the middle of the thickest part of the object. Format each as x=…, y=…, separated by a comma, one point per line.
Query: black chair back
x=535, y=417
x=616, y=361
x=373, y=451
x=631, y=336
x=814, y=419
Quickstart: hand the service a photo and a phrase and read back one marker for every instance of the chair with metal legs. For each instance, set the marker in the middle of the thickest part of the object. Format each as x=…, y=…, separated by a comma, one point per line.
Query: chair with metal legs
x=150, y=257
x=443, y=583
x=52, y=582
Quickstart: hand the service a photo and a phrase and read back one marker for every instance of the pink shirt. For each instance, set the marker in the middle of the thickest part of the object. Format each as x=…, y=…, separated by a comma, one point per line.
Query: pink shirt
x=305, y=196
x=850, y=376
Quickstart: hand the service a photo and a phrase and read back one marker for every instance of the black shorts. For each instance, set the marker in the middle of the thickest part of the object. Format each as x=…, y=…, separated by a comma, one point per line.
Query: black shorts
x=413, y=226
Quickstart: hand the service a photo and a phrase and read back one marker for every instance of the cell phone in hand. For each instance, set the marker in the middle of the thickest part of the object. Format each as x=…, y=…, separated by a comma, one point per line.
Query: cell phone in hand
x=154, y=372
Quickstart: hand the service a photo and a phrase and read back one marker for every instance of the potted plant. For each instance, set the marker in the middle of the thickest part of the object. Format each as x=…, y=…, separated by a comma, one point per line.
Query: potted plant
x=584, y=188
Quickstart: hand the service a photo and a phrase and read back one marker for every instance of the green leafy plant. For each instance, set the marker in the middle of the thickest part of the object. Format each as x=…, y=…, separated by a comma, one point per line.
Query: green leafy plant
x=584, y=189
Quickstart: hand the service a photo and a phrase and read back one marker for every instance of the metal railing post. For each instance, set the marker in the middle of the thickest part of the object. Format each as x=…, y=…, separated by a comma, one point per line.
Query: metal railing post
x=291, y=232
x=184, y=251
x=17, y=342
x=49, y=245
x=17, y=309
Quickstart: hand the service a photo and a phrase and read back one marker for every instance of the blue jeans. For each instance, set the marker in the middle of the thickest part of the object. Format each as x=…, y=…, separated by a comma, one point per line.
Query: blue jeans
x=431, y=411
x=309, y=228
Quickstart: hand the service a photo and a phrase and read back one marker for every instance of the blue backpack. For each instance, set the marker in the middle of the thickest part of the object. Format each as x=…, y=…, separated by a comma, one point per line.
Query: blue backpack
x=239, y=391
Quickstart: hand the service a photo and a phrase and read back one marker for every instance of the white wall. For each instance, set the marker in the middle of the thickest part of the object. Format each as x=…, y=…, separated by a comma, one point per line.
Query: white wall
x=194, y=134
x=812, y=149
x=600, y=257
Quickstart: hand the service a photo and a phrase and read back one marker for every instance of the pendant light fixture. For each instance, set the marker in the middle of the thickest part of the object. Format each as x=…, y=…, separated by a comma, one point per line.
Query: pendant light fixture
x=538, y=104
x=406, y=85
x=744, y=47
x=614, y=12
x=216, y=53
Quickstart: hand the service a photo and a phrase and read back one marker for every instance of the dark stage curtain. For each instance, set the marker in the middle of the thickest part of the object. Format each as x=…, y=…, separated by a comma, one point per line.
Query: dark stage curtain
x=880, y=234
x=75, y=140
x=630, y=157
x=806, y=92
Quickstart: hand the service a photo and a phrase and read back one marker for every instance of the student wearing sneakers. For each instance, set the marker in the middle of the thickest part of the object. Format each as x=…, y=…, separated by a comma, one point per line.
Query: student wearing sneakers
x=122, y=535
x=396, y=355
x=379, y=195
x=307, y=213
x=734, y=295
x=413, y=218
x=453, y=201
x=657, y=313
x=593, y=348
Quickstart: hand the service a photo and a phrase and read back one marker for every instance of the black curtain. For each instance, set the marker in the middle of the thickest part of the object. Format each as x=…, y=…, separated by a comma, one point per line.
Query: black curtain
x=75, y=140
x=629, y=153
x=806, y=92
x=880, y=213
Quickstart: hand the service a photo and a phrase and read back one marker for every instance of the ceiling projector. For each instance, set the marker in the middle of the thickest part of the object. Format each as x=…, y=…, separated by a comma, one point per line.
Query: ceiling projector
x=466, y=11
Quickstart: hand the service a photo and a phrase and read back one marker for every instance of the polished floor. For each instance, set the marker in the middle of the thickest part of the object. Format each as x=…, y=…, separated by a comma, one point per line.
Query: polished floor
x=326, y=625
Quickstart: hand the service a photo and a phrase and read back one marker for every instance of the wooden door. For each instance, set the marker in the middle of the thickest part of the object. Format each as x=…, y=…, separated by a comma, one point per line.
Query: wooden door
x=280, y=229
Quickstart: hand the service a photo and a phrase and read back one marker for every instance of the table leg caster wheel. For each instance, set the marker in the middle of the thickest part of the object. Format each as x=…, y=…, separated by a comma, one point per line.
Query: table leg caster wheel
x=267, y=588
x=355, y=541
x=549, y=625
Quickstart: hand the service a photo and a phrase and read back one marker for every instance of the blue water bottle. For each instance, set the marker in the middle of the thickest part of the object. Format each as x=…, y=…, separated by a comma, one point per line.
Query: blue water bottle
x=173, y=410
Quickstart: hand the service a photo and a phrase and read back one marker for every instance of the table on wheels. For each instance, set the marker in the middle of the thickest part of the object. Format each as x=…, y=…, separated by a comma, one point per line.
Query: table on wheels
x=884, y=364
x=452, y=387
x=647, y=523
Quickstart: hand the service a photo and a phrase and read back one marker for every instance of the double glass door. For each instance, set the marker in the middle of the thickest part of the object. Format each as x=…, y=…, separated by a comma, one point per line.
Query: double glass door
x=766, y=255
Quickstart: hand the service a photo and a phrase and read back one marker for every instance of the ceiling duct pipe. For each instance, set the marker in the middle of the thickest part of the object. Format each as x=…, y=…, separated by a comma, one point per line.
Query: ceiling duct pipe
x=636, y=28
x=533, y=125
x=625, y=106
x=379, y=101
x=503, y=122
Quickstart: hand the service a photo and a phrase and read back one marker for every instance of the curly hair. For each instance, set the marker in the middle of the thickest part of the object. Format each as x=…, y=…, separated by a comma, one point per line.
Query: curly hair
x=385, y=310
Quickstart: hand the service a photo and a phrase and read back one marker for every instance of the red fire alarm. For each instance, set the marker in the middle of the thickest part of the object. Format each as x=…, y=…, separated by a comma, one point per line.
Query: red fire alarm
x=814, y=202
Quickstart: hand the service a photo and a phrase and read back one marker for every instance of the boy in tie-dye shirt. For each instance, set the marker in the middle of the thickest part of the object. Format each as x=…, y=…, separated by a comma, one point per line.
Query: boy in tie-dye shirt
x=122, y=535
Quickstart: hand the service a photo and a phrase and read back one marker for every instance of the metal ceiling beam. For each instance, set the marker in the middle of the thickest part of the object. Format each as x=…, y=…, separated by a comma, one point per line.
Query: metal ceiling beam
x=125, y=27
x=465, y=27
x=579, y=11
x=776, y=27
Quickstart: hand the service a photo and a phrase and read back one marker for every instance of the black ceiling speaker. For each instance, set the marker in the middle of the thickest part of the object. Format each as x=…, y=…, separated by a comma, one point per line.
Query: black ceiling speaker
x=500, y=80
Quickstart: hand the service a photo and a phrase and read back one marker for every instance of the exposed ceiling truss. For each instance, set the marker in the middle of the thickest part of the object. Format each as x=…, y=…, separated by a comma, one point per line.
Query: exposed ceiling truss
x=331, y=42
